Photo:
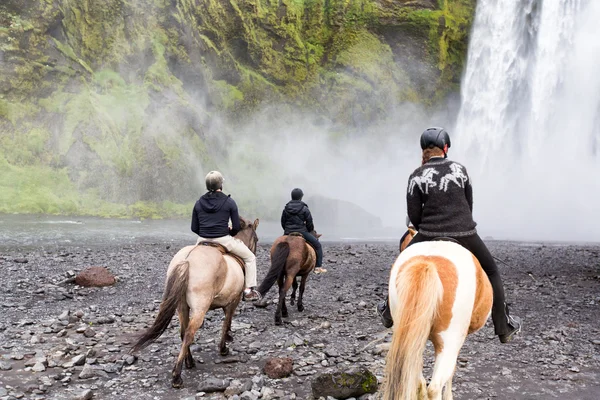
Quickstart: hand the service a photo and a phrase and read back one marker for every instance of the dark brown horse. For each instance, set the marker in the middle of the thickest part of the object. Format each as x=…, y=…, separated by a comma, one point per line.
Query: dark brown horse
x=291, y=257
x=200, y=278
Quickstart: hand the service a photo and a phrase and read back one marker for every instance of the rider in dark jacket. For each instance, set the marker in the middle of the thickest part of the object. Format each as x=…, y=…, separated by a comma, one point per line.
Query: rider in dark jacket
x=296, y=217
x=440, y=204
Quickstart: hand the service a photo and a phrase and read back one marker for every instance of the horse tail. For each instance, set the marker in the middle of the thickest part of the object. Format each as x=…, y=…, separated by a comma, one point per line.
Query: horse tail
x=417, y=293
x=174, y=293
x=278, y=261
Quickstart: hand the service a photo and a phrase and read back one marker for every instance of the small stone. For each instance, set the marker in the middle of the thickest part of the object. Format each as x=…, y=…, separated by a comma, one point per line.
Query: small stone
x=574, y=369
x=90, y=372
x=211, y=385
x=325, y=325
x=89, y=332
x=95, y=277
x=38, y=367
x=130, y=359
x=85, y=395
x=277, y=368
x=344, y=384
x=79, y=360
x=128, y=319
x=5, y=366
x=506, y=371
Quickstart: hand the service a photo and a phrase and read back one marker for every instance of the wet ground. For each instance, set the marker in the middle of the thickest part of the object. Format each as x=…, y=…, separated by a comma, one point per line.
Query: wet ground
x=50, y=331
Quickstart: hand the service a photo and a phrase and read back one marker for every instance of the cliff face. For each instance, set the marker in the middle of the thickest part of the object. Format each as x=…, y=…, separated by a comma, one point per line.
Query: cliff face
x=108, y=102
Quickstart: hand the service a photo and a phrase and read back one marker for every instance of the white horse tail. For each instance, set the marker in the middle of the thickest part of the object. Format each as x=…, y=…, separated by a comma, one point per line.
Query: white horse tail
x=414, y=301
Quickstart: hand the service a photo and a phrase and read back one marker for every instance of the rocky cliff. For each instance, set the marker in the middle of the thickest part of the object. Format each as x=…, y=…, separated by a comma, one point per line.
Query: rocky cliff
x=107, y=106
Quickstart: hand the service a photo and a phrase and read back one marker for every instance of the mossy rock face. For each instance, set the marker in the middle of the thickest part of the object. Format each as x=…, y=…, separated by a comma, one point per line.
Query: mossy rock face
x=125, y=99
x=345, y=384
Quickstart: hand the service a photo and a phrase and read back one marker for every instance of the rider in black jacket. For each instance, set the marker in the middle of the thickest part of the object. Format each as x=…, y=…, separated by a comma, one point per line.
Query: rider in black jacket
x=296, y=217
x=440, y=204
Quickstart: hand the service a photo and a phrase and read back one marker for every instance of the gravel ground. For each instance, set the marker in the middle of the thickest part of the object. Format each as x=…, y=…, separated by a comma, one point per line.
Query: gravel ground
x=58, y=340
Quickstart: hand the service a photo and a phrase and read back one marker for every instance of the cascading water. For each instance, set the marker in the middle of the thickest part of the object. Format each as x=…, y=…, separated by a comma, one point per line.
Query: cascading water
x=528, y=128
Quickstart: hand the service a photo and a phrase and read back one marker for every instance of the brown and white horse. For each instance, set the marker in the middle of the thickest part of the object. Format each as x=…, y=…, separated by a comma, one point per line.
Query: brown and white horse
x=200, y=278
x=437, y=291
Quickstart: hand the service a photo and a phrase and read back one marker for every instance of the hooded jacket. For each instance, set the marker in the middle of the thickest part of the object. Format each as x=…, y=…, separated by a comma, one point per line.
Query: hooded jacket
x=210, y=218
x=296, y=217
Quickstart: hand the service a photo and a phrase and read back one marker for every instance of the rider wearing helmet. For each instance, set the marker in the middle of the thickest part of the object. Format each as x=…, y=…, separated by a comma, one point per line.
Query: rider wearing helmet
x=210, y=221
x=296, y=217
x=439, y=203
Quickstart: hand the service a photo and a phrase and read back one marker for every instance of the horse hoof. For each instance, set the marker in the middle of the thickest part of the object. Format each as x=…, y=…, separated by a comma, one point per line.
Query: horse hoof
x=300, y=307
x=177, y=383
x=224, y=351
x=278, y=322
x=261, y=303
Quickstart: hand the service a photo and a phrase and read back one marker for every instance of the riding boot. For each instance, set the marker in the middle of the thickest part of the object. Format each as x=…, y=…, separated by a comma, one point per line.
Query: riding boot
x=514, y=326
x=383, y=309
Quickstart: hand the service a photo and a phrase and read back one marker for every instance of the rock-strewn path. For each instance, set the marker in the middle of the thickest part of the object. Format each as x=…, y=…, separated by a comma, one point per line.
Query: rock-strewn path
x=59, y=340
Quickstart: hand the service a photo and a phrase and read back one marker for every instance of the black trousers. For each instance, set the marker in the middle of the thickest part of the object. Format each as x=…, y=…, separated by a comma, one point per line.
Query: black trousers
x=314, y=242
x=476, y=246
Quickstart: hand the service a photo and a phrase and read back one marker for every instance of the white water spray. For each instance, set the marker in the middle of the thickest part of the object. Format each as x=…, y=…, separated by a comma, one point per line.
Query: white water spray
x=528, y=128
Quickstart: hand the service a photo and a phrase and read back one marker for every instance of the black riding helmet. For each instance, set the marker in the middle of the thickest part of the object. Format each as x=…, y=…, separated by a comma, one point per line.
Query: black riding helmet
x=437, y=137
x=297, y=194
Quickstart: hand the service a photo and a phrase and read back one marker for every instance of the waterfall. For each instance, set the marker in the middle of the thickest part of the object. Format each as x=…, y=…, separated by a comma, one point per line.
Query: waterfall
x=528, y=128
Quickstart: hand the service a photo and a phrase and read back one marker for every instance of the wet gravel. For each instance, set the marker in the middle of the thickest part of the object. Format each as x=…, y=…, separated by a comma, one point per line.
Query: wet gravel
x=61, y=341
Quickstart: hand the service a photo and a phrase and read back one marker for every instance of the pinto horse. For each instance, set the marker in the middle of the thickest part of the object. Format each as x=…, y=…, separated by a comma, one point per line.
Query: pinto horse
x=200, y=278
x=291, y=256
x=439, y=292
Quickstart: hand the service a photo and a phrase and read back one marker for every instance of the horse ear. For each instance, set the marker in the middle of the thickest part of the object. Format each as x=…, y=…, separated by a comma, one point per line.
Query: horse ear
x=242, y=223
x=256, y=223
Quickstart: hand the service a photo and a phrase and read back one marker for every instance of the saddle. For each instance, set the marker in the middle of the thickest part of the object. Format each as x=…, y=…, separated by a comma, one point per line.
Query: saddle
x=224, y=251
x=447, y=239
x=298, y=234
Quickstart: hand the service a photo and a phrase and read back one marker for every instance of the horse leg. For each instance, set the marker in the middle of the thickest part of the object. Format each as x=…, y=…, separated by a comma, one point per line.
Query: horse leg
x=448, y=390
x=294, y=287
x=301, y=294
x=278, y=311
x=183, y=311
x=289, y=280
x=188, y=338
x=445, y=364
x=229, y=311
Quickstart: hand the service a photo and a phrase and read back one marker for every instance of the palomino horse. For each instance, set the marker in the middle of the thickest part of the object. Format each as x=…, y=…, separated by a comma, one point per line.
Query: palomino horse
x=291, y=256
x=200, y=278
x=437, y=291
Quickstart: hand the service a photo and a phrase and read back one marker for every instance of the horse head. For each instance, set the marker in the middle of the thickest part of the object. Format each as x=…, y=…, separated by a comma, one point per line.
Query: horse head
x=247, y=233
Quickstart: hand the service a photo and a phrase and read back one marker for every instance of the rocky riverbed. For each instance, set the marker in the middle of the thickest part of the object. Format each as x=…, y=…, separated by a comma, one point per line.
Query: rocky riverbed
x=62, y=341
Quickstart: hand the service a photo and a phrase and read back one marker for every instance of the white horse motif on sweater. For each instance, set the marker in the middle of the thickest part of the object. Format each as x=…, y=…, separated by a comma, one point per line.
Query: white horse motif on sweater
x=424, y=182
x=457, y=176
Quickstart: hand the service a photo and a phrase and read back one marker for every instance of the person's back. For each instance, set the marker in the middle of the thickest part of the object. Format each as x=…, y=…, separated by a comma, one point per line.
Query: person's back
x=213, y=211
x=210, y=221
x=440, y=199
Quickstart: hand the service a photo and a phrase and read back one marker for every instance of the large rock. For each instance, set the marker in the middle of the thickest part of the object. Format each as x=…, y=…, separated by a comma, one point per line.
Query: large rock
x=345, y=384
x=95, y=276
x=277, y=368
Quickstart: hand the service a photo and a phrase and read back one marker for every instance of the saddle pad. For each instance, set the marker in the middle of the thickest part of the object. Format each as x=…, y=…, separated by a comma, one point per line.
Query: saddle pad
x=224, y=251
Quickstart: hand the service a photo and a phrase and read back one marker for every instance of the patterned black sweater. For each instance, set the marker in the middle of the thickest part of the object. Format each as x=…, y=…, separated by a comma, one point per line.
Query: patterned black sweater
x=439, y=199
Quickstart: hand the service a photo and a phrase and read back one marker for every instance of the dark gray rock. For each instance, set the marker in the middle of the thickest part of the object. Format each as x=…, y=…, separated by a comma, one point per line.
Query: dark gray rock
x=344, y=384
